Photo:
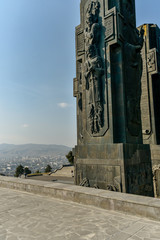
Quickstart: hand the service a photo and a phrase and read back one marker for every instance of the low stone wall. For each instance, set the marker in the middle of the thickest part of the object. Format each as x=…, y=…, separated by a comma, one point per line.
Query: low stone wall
x=126, y=203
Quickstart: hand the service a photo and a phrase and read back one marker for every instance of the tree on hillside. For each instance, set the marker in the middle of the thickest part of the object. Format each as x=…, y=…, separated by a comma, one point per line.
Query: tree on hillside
x=27, y=170
x=48, y=169
x=70, y=157
x=19, y=171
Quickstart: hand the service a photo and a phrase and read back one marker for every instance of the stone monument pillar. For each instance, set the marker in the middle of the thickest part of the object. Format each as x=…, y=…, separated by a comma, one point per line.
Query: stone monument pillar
x=150, y=100
x=109, y=152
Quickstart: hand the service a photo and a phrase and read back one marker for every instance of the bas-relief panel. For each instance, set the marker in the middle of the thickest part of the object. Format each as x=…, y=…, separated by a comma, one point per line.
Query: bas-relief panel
x=78, y=82
x=110, y=176
x=152, y=61
x=139, y=179
x=95, y=66
x=80, y=43
x=133, y=73
x=109, y=25
x=94, y=70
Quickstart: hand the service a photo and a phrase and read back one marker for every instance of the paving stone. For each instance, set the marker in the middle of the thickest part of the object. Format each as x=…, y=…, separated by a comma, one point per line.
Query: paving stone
x=32, y=217
x=134, y=228
x=135, y=238
x=120, y=236
x=155, y=235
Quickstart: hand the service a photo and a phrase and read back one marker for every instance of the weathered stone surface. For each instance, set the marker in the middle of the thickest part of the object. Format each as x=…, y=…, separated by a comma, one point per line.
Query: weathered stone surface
x=126, y=203
x=150, y=102
x=127, y=169
x=26, y=216
x=109, y=152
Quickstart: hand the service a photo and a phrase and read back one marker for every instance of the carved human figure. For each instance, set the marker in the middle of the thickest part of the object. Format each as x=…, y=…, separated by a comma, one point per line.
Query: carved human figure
x=133, y=84
x=92, y=29
x=93, y=67
x=93, y=72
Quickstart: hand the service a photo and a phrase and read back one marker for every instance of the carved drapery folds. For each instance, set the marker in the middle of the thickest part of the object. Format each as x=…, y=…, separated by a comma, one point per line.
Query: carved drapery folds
x=93, y=68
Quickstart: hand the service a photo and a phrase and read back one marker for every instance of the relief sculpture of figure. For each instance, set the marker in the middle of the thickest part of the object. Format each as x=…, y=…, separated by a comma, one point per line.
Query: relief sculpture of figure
x=93, y=73
x=92, y=31
x=93, y=68
x=133, y=84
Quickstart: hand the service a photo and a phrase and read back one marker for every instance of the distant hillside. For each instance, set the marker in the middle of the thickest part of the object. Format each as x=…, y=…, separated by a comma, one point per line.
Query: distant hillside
x=32, y=150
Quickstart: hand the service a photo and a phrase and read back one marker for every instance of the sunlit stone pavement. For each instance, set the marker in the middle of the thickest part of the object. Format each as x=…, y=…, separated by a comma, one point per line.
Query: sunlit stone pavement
x=25, y=216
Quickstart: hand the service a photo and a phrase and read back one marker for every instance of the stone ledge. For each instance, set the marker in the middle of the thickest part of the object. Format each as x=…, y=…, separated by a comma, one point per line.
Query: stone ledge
x=126, y=203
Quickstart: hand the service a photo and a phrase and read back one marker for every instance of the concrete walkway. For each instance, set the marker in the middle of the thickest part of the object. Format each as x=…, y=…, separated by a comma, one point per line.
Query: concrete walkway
x=52, y=178
x=26, y=216
x=139, y=206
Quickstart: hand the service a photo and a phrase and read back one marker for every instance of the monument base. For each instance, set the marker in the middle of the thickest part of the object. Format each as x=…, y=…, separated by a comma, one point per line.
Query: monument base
x=117, y=167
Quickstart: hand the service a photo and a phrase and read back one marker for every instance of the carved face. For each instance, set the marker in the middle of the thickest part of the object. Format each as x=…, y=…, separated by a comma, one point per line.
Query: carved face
x=92, y=13
x=96, y=11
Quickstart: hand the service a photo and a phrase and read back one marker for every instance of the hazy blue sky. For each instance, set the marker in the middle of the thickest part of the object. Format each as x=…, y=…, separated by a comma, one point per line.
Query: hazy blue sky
x=37, y=65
